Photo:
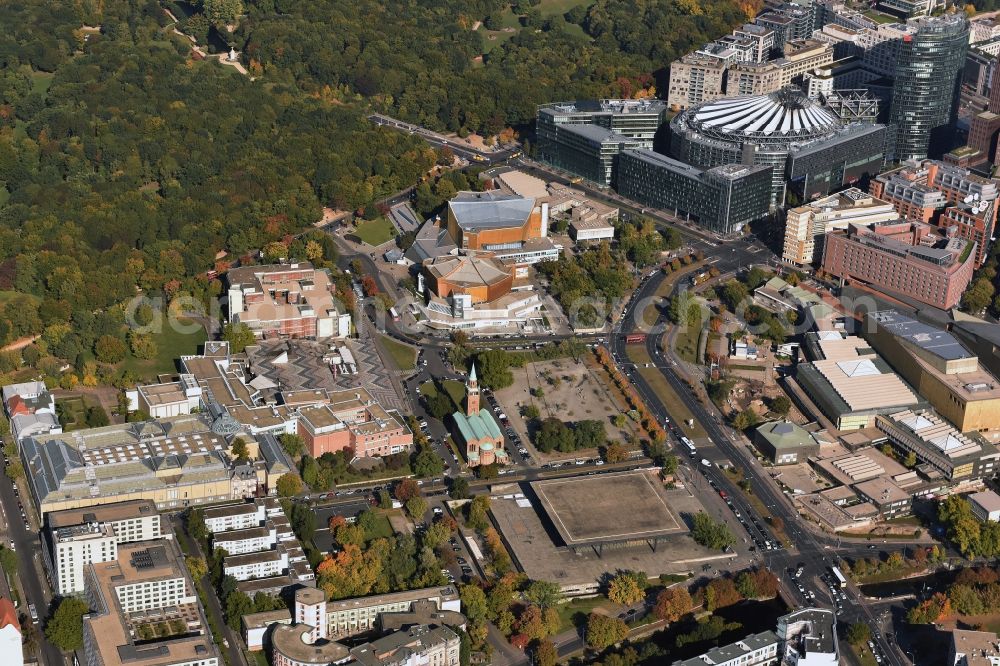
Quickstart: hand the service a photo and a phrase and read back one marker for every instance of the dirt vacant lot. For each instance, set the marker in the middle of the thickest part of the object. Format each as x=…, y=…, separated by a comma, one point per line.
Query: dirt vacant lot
x=567, y=390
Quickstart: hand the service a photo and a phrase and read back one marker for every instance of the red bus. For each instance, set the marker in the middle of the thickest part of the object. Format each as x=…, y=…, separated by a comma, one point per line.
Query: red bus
x=635, y=338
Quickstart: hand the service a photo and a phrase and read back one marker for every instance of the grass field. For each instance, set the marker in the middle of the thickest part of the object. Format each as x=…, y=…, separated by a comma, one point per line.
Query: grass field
x=404, y=356
x=574, y=613
x=171, y=345
x=383, y=530
x=663, y=390
x=862, y=656
x=454, y=389
x=76, y=410
x=686, y=343
x=547, y=8
x=40, y=82
x=879, y=17
x=376, y=232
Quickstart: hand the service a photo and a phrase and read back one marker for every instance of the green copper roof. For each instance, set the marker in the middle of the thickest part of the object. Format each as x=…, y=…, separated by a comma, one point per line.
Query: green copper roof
x=477, y=426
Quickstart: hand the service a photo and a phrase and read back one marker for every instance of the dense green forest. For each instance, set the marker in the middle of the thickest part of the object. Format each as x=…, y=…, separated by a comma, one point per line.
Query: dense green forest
x=130, y=165
x=418, y=59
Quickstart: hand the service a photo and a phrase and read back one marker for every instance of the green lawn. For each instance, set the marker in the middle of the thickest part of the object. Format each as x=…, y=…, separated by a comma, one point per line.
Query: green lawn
x=456, y=390
x=686, y=343
x=383, y=530
x=40, y=82
x=574, y=613
x=404, y=356
x=547, y=8
x=76, y=409
x=171, y=345
x=553, y=7
x=879, y=17
x=376, y=232
x=863, y=656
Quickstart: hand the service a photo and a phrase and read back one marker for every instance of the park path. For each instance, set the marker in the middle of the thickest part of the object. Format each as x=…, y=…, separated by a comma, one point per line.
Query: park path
x=223, y=58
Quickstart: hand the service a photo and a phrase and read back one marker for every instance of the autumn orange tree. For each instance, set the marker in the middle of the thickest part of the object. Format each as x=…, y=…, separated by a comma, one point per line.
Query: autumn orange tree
x=672, y=604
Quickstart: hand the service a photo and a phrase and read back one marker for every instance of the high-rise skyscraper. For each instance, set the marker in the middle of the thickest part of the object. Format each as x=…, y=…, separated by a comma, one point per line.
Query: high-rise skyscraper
x=926, y=85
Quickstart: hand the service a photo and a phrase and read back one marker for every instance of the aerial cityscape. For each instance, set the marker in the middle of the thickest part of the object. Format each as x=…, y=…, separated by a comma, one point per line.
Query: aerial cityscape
x=500, y=332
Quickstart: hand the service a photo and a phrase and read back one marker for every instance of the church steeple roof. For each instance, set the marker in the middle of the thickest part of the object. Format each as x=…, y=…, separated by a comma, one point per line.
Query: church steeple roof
x=472, y=373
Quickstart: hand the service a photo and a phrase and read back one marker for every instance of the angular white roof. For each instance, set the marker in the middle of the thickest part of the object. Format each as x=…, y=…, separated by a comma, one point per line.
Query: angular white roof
x=783, y=113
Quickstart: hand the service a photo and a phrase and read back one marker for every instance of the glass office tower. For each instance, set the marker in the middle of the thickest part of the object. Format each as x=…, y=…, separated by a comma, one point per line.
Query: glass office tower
x=926, y=85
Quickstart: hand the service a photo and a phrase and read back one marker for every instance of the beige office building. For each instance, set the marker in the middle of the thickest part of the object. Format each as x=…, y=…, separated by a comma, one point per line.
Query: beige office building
x=694, y=79
x=806, y=226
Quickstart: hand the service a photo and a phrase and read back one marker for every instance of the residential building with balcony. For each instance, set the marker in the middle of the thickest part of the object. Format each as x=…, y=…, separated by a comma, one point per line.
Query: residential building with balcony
x=695, y=78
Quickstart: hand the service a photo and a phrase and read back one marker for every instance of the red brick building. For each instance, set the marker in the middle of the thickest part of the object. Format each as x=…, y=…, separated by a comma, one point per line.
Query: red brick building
x=958, y=201
x=907, y=259
x=352, y=419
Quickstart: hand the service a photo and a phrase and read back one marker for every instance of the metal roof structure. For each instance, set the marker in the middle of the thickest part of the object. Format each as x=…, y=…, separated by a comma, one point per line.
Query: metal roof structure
x=491, y=209
x=941, y=343
x=783, y=116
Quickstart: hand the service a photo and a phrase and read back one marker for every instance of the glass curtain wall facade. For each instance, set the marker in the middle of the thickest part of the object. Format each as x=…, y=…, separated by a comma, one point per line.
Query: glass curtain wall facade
x=926, y=85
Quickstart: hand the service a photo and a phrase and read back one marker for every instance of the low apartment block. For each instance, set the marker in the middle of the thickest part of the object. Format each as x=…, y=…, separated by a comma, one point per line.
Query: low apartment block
x=262, y=552
x=419, y=645
x=145, y=611
x=293, y=300
x=77, y=538
x=807, y=637
x=759, y=649
x=350, y=617
x=904, y=259
x=243, y=515
x=263, y=564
